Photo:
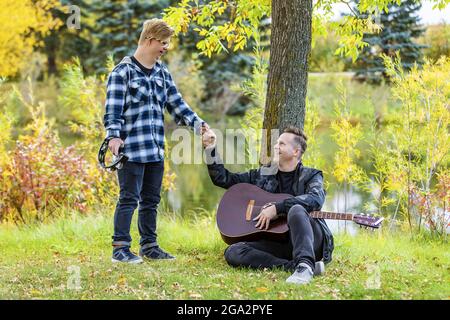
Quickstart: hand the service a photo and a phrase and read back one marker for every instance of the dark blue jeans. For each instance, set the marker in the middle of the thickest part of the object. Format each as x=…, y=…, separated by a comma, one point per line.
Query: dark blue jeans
x=140, y=184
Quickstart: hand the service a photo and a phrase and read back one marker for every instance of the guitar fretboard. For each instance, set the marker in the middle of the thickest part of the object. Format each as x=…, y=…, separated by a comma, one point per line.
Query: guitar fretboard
x=331, y=215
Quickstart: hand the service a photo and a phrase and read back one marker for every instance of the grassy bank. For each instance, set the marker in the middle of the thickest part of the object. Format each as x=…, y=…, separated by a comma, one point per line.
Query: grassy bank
x=41, y=262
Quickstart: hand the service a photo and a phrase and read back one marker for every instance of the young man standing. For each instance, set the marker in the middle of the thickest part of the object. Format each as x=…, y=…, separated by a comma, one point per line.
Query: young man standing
x=138, y=90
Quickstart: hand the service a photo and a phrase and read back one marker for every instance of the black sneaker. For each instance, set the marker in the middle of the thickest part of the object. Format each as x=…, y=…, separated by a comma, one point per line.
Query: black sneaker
x=155, y=253
x=125, y=255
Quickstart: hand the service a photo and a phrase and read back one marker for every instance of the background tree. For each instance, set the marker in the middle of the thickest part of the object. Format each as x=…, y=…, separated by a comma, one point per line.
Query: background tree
x=287, y=72
x=437, y=40
x=21, y=30
x=400, y=25
x=118, y=25
x=290, y=45
x=223, y=72
x=64, y=43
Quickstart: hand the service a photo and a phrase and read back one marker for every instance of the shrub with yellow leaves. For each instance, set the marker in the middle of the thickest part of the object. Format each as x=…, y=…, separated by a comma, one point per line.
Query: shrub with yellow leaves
x=22, y=21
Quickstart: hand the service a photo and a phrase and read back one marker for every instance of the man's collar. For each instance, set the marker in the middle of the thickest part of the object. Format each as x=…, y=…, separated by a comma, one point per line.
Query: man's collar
x=155, y=68
x=296, y=169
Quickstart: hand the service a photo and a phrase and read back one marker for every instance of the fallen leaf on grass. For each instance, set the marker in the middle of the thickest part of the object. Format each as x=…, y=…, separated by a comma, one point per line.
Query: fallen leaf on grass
x=35, y=292
x=176, y=285
x=195, y=295
x=122, y=280
x=262, y=289
x=14, y=280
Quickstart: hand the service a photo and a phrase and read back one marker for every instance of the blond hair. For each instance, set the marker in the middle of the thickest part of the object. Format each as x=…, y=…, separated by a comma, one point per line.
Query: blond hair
x=155, y=29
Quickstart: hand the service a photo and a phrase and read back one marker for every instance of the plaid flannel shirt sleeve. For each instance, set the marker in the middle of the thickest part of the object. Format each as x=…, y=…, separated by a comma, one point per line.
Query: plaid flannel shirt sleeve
x=115, y=102
x=179, y=109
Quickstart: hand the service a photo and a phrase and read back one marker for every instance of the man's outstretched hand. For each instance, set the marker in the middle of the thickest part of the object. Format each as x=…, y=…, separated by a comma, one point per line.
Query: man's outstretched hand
x=208, y=138
x=204, y=128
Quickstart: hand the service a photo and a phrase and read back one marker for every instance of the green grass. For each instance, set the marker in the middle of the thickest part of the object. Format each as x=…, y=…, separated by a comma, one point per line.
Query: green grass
x=36, y=263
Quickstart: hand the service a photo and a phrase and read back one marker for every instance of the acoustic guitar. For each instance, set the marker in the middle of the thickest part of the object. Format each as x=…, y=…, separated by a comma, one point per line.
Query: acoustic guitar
x=242, y=202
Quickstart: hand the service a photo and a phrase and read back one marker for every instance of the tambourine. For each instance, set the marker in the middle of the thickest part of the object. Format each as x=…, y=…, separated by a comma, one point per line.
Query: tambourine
x=116, y=163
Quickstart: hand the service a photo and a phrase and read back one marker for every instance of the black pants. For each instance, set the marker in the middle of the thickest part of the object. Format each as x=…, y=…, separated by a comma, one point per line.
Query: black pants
x=140, y=184
x=305, y=244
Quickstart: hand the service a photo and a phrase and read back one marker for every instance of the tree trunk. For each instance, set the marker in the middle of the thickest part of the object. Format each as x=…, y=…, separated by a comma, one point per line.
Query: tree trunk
x=51, y=47
x=290, y=45
x=51, y=63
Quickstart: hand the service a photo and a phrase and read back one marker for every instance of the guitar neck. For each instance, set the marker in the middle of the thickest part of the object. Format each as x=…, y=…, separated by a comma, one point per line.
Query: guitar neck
x=331, y=215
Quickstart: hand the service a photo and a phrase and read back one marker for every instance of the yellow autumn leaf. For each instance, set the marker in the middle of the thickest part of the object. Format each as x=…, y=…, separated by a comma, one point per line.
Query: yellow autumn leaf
x=22, y=21
x=122, y=280
x=262, y=289
x=35, y=292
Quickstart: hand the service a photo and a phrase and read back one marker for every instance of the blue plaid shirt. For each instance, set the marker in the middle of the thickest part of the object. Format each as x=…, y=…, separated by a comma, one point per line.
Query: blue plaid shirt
x=135, y=105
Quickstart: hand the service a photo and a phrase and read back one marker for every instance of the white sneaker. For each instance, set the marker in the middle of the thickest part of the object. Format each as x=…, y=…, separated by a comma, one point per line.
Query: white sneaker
x=303, y=274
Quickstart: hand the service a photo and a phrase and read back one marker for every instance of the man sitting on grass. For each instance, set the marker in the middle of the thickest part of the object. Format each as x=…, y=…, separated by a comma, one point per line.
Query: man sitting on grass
x=310, y=242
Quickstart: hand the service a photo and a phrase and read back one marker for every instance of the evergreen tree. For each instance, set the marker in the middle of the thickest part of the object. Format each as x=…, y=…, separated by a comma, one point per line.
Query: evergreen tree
x=62, y=44
x=118, y=26
x=226, y=68
x=400, y=26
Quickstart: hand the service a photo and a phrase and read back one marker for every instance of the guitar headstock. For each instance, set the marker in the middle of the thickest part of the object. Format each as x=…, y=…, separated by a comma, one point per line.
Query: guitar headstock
x=368, y=220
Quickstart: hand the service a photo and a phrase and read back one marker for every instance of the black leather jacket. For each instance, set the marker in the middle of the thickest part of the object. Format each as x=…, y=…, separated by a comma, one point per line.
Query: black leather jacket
x=308, y=189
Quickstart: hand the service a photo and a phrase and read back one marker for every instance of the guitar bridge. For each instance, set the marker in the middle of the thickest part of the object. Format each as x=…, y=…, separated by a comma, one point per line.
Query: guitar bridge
x=248, y=213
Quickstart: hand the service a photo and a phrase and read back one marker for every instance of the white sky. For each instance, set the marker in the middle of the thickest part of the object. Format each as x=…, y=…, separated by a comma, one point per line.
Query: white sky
x=427, y=14
x=430, y=16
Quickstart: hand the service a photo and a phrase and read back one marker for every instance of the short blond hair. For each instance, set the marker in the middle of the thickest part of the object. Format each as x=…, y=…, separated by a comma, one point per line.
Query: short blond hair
x=155, y=29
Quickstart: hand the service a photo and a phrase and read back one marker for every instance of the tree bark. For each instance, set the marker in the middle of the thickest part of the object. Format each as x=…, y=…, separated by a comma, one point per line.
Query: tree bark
x=51, y=48
x=290, y=45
